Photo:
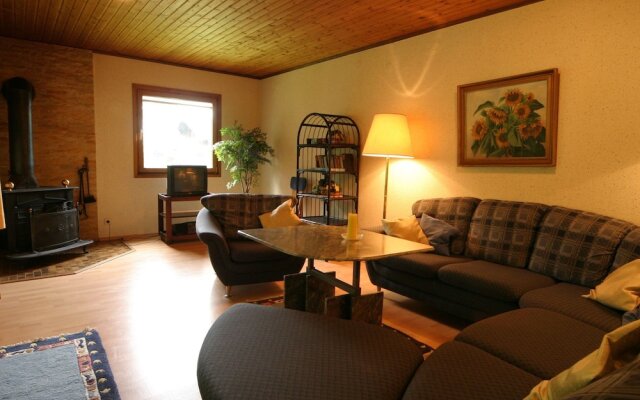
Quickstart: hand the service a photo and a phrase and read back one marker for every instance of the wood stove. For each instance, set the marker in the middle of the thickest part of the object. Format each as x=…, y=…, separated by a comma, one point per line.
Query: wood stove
x=40, y=220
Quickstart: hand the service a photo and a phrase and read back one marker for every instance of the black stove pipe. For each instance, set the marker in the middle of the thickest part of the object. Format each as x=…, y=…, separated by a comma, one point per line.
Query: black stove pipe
x=19, y=93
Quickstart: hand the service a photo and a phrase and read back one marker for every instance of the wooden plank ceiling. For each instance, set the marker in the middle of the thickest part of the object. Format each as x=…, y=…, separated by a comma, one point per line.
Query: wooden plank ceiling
x=255, y=38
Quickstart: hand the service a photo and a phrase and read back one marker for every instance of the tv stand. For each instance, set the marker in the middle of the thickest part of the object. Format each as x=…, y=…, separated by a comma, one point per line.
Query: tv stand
x=166, y=216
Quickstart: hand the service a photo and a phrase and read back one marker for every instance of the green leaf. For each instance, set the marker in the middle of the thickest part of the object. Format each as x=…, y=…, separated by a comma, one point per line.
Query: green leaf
x=488, y=144
x=542, y=137
x=538, y=150
x=526, y=152
x=513, y=138
x=482, y=106
x=498, y=153
x=475, y=146
x=535, y=105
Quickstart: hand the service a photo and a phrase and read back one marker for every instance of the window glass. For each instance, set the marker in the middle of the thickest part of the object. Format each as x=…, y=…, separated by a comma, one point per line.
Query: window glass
x=174, y=127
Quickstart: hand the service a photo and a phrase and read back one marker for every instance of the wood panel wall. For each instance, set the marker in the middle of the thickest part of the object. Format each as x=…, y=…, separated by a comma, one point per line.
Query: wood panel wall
x=63, y=114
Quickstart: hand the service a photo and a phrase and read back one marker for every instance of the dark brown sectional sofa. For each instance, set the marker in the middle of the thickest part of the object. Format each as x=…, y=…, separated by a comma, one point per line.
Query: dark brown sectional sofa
x=518, y=269
x=512, y=254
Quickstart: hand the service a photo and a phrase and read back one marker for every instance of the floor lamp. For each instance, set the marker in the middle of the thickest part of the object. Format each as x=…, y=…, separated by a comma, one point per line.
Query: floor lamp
x=388, y=137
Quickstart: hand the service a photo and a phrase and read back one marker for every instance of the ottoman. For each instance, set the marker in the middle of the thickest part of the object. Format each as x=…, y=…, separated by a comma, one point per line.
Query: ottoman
x=261, y=352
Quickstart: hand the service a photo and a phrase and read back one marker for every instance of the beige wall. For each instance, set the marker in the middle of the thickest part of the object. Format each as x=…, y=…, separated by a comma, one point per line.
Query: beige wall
x=131, y=203
x=595, y=46
x=62, y=115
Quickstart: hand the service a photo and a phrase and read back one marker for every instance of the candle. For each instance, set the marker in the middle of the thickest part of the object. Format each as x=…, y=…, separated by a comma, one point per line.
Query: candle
x=352, y=226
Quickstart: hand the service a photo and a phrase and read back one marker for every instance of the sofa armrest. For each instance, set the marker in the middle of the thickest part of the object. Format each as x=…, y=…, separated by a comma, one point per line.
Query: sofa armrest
x=210, y=231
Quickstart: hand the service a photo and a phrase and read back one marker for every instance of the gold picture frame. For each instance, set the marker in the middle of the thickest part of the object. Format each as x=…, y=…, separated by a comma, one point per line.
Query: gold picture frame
x=509, y=121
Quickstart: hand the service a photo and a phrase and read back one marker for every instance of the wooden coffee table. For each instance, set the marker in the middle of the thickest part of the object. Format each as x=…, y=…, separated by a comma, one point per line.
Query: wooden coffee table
x=314, y=290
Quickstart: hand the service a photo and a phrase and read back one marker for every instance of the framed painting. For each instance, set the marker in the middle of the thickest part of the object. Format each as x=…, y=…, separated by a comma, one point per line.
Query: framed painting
x=509, y=121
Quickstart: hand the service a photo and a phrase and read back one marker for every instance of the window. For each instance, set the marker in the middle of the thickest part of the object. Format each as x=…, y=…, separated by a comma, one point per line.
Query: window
x=174, y=127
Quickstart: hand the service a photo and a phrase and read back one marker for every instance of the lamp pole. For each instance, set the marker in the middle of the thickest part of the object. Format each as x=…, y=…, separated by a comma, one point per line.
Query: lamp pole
x=386, y=185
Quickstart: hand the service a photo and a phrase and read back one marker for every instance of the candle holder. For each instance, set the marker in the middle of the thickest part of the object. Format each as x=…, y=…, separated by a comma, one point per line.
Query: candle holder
x=357, y=237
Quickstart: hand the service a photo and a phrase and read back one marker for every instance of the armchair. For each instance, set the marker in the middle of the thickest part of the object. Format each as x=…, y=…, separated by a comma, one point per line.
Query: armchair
x=236, y=260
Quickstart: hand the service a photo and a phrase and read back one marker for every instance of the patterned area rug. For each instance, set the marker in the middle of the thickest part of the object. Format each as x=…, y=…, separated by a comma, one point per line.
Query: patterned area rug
x=278, y=301
x=61, y=264
x=69, y=366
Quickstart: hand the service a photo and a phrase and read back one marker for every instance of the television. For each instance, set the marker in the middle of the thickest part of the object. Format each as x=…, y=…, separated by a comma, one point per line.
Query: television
x=186, y=180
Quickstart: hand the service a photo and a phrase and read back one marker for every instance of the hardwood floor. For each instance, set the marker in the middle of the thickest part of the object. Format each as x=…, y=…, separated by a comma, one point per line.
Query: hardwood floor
x=153, y=307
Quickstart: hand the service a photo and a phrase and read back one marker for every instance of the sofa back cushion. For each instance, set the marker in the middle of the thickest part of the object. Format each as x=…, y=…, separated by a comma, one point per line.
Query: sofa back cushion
x=503, y=231
x=629, y=249
x=237, y=211
x=455, y=211
x=577, y=246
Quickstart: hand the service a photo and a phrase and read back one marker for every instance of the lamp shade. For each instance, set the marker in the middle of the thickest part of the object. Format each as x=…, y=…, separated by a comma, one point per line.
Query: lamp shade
x=388, y=137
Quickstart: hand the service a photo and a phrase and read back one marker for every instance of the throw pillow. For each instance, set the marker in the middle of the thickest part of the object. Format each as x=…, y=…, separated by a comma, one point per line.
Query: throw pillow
x=620, y=288
x=621, y=384
x=617, y=349
x=439, y=233
x=405, y=228
x=282, y=216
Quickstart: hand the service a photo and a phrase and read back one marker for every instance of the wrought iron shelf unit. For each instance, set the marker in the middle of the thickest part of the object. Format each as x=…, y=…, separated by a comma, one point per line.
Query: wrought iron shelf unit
x=327, y=168
x=325, y=198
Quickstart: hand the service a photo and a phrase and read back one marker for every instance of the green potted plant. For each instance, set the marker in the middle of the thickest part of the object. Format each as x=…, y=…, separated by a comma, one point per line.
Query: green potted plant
x=242, y=152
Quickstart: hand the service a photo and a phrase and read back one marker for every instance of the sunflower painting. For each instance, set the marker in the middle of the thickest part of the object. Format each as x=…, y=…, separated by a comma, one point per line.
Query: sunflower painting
x=510, y=121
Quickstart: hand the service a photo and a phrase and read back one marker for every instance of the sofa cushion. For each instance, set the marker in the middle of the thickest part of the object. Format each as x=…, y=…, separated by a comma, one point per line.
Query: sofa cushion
x=237, y=211
x=493, y=280
x=538, y=341
x=577, y=246
x=254, y=351
x=435, y=293
x=455, y=211
x=566, y=298
x=424, y=265
x=458, y=371
x=503, y=231
x=628, y=250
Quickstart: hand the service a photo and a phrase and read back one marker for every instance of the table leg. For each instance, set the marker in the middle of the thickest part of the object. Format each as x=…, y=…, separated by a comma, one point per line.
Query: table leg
x=314, y=291
x=317, y=292
x=356, y=274
x=310, y=265
x=367, y=308
x=295, y=291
